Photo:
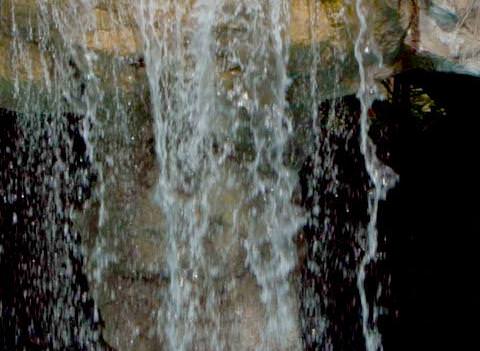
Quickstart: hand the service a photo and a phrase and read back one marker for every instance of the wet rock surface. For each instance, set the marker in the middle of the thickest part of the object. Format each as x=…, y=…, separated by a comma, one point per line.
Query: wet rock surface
x=113, y=34
x=442, y=33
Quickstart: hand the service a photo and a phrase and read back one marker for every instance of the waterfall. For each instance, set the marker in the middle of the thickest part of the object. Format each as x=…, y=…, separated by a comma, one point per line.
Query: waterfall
x=200, y=241
x=196, y=127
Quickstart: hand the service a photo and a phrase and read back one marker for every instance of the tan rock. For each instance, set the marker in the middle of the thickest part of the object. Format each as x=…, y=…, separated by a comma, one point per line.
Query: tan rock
x=304, y=17
x=110, y=29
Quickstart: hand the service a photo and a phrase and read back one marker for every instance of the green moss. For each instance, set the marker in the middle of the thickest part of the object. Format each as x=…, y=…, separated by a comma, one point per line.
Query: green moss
x=423, y=107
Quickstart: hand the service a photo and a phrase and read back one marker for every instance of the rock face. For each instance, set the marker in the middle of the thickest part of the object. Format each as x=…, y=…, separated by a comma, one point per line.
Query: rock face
x=108, y=30
x=97, y=46
x=445, y=35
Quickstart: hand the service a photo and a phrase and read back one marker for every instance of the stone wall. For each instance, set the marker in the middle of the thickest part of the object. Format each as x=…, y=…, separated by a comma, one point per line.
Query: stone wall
x=443, y=35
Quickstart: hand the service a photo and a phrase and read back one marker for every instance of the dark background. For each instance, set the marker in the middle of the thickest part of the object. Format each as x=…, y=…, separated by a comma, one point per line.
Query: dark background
x=430, y=221
x=428, y=235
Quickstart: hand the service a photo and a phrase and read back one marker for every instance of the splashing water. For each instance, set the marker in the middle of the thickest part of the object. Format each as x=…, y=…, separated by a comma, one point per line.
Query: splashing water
x=195, y=123
x=212, y=76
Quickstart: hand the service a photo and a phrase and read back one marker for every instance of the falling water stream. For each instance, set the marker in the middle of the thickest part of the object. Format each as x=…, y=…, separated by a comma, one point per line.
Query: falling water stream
x=195, y=124
x=215, y=81
x=382, y=177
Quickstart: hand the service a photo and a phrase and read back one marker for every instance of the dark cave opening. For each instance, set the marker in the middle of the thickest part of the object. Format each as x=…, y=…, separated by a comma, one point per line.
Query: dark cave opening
x=429, y=220
x=427, y=132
